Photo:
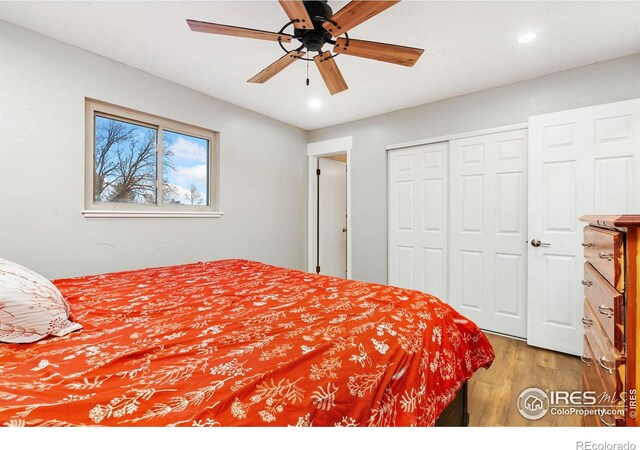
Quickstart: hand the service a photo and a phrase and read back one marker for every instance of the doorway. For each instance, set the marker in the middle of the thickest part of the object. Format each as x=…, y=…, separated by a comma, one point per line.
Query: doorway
x=329, y=208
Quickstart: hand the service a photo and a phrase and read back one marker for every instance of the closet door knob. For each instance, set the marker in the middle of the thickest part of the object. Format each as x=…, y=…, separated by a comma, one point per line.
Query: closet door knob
x=537, y=243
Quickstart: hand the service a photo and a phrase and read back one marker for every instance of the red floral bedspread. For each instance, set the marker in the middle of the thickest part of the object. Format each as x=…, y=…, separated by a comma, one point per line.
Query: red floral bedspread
x=238, y=342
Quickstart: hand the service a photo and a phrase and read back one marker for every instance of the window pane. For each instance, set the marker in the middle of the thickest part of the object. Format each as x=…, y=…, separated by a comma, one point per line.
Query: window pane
x=185, y=163
x=125, y=162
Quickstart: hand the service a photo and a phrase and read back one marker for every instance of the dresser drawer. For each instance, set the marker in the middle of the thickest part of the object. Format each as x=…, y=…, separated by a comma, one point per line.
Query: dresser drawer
x=605, y=399
x=591, y=418
x=591, y=379
x=607, y=304
x=608, y=361
x=604, y=249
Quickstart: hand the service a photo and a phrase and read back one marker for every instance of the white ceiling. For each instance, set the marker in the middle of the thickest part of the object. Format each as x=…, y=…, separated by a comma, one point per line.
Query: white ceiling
x=469, y=46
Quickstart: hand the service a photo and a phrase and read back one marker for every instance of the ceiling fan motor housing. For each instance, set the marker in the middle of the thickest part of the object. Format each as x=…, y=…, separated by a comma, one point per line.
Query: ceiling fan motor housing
x=314, y=39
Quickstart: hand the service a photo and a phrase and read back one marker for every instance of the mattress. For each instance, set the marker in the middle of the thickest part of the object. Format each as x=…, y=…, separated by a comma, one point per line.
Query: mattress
x=241, y=343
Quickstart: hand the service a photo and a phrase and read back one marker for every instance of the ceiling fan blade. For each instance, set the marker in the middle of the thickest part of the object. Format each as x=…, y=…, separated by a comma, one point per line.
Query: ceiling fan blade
x=296, y=11
x=330, y=73
x=276, y=67
x=228, y=30
x=395, y=54
x=356, y=12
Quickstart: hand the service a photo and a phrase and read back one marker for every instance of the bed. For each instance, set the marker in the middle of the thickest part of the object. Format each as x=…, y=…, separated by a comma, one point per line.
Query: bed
x=241, y=343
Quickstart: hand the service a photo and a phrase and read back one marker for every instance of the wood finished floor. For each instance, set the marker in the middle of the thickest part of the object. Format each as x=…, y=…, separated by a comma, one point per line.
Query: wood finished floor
x=493, y=393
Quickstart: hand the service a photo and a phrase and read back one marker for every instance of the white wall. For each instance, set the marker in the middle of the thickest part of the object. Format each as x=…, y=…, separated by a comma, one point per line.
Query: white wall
x=604, y=82
x=43, y=84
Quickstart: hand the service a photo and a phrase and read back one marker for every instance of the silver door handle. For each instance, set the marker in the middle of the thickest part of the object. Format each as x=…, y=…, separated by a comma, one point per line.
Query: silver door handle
x=587, y=283
x=344, y=230
x=587, y=322
x=537, y=243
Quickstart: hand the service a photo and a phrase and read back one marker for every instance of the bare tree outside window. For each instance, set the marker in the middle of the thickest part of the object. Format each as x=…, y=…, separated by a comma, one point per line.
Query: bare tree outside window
x=188, y=176
x=194, y=197
x=126, y=163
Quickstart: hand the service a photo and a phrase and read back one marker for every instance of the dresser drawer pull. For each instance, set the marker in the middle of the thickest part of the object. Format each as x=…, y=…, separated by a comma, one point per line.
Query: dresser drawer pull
x=604, y=422
x=605, y=311
x=601, y=361
x=605, y=255
x=587, y=322
x=587, y=283
x=586, y=360
x=587, y=244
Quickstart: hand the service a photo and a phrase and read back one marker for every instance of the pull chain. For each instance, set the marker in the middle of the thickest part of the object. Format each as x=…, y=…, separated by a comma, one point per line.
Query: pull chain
x=307, y=72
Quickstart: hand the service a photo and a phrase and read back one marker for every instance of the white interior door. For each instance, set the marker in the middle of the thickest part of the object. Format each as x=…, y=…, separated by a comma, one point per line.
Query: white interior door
x=333, y=217
x=488, y=263
x=417, y=208
x=582, y=161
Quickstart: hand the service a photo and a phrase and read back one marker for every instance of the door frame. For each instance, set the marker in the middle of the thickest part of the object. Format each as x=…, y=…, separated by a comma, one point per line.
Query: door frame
x=454, y=136
x=316, y=150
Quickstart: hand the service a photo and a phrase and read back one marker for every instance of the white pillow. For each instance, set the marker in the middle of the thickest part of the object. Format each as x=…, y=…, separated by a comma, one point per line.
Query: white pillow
x=31, y=307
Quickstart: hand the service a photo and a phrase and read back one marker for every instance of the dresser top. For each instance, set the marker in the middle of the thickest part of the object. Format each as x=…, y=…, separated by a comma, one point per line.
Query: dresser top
x=625, y=220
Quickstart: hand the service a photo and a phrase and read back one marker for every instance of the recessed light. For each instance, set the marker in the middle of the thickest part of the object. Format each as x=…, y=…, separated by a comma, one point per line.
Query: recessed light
x=315, y=103
x=526, y=38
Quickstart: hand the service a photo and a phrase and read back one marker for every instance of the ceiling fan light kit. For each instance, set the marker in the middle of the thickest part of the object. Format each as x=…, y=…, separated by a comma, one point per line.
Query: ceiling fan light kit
x=315, y=25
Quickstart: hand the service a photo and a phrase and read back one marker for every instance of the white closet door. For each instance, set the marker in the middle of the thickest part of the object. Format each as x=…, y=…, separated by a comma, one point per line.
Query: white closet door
x=488, y=262
x=417, y=243
x=582, y=161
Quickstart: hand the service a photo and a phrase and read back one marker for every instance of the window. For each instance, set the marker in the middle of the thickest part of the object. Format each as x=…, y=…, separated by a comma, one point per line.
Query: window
x=146, y=166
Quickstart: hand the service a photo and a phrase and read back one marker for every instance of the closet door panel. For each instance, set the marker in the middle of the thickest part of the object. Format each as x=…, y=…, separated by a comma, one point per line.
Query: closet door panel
x=488, y=207
x=417, y=218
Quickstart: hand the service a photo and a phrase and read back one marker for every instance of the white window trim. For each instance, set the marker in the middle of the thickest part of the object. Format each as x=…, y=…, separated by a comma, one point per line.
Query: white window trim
x=94, y=209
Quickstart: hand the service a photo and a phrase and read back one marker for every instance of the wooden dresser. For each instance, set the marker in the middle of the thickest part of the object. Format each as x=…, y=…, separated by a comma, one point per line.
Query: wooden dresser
x=611, y=286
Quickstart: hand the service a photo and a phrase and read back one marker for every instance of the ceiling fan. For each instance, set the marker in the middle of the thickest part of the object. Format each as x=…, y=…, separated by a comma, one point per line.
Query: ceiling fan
x=314, y=26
